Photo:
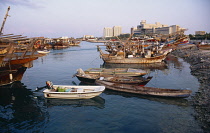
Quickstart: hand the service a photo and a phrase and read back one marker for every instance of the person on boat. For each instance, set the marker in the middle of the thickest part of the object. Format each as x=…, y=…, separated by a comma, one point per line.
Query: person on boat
x=143, y=55
x=198, y=45
x=152, y=54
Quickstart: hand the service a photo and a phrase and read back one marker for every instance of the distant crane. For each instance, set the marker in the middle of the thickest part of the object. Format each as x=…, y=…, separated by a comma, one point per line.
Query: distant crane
x=5, y=18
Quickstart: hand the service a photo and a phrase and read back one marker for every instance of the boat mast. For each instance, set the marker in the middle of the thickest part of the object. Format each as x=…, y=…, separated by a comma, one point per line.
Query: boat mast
x=4, y=20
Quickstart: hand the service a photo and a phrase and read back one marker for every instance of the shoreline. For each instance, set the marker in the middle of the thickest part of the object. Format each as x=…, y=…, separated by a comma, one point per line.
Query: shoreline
x=199, y=61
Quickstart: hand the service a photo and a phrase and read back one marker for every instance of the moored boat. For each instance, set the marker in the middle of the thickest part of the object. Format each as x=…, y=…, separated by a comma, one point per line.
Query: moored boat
x=127, y=80
x=21, y=61
x=150, y=91
x=91, y=78
x=116, y=71
x=72, y=91
x=43, y=51
x=132, y=54
x=134, y=60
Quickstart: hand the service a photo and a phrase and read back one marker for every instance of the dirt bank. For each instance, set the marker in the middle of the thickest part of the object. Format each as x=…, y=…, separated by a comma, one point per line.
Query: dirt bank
x=200, y=67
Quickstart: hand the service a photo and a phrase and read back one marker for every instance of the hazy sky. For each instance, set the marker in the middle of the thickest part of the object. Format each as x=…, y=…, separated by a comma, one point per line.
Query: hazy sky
x=75, y=18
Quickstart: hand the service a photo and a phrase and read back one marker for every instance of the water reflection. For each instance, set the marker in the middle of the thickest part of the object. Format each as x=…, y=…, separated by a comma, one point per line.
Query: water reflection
x=96, y=102
x=19, y=109
x=151, y=66
x=173, y=60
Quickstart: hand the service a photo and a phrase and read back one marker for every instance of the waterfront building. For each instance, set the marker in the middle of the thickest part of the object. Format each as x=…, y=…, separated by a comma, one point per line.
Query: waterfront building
x=85, y=37
x=156, y=28
x=108, y=32
x=200, y=32
x=117, y=30
x=133, y=29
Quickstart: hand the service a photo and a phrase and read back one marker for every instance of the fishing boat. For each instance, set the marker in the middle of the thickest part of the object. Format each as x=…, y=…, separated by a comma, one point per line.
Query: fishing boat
x=127, y=80
x=21, y=61
x=91, y=78
x=43, y=51
x=130, y=59
x=115, y=71
x=72, y=91
x=87, y=78
x=149, y=91
x=204, y=46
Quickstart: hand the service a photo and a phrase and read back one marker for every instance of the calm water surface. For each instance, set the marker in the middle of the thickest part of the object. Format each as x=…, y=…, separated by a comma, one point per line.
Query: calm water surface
x=112, y=111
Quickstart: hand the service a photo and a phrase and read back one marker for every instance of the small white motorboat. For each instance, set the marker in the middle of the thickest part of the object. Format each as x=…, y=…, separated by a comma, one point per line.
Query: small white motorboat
x=43, y=51
x=72, y=91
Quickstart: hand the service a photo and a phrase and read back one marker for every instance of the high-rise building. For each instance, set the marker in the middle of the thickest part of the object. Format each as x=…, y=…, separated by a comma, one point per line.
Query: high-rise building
x=117, y=30
x=108, y=32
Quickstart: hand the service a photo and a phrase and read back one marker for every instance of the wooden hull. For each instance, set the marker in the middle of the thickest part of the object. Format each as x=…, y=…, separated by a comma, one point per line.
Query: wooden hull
x=134, y=60
x=22, y=61
x=116, y=71
x=150, y=91
x=9, y=76
x=128, y=80
x=205, y=47
x=86, y=79
x=82, y=92
x=114, y=79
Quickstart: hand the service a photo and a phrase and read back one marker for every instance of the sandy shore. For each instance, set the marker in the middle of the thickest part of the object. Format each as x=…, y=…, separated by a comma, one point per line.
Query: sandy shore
x=200, y=67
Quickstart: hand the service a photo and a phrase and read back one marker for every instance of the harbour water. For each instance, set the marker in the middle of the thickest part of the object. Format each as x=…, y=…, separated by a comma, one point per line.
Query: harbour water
x=29, y=111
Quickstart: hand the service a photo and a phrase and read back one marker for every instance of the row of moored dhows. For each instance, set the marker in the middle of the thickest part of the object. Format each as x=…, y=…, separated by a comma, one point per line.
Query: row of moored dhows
x=133, y=53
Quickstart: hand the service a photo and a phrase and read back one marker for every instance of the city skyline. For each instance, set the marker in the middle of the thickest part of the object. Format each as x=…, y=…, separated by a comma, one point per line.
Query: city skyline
x=50, y=18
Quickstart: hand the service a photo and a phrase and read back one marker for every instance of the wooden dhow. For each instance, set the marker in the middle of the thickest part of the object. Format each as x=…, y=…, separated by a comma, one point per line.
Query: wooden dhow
x=91, y=78
x=134, y=56
x=127, y=80
x=149, y=91
x=115, y=71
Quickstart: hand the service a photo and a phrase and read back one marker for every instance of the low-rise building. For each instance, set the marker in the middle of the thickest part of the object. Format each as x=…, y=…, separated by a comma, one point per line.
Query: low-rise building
x=85, y=37
x=200, y=32
x=156, y=28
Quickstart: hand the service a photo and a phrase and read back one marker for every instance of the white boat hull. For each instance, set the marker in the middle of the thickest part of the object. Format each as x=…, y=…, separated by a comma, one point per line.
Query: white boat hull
x=84, y=92
x=43, y=52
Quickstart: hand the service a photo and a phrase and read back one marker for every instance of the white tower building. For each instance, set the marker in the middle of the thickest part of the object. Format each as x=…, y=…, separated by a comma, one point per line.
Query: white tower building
x=117, y=30
x=108, y=32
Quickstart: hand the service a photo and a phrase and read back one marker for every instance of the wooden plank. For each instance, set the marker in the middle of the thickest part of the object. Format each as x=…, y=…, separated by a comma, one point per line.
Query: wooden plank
x=6, y=34
x=10, y=36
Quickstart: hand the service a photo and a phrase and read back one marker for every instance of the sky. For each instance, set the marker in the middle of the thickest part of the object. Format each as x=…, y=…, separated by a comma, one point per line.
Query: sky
x=76, y=18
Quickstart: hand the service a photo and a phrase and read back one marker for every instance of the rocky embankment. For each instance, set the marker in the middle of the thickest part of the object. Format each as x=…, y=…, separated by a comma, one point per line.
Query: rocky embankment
x=200, y=67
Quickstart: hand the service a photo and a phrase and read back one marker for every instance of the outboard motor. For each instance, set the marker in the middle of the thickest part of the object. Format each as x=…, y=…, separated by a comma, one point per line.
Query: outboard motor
x=49, y=85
